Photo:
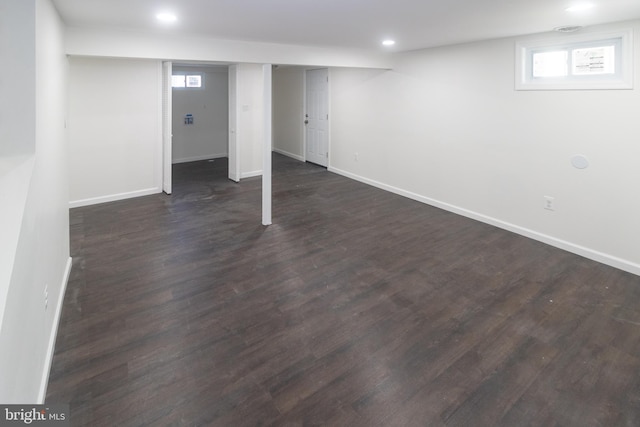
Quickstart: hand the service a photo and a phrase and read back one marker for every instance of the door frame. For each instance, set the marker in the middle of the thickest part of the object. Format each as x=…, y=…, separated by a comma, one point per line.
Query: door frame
x=166, y=119
x=167, y=127
x=304, y=111
x=233, y=148
x=267, y=145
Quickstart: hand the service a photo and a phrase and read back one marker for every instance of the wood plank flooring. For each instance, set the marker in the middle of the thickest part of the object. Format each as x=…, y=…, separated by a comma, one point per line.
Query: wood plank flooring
x=356, y=308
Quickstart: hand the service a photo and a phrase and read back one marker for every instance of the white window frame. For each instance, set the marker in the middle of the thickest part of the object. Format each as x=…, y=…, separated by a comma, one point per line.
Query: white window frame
x=621, y=79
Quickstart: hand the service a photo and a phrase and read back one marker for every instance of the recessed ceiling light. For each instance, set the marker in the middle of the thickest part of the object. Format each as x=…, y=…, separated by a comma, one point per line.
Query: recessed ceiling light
x=388, y=42
x=166, y=17
x=580, y=7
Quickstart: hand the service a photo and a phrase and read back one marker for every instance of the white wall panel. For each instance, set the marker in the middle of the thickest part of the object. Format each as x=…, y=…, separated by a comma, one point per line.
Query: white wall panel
x=114, y=129
x=250, y=120
x=39, y=193
x=17, y=109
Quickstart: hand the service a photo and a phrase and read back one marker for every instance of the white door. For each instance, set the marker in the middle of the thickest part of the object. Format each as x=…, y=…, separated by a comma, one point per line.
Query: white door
x=234, y=157
x=167, y=130
x=317, y=116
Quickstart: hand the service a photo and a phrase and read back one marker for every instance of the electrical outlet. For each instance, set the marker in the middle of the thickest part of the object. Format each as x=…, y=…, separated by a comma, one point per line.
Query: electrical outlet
x=355, y=156
x=46, y=297
x=549, y=203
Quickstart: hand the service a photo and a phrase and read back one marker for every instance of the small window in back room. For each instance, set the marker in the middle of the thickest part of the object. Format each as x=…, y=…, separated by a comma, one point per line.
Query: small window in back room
x=177, y=81
x=186, y=81
x=194, y=81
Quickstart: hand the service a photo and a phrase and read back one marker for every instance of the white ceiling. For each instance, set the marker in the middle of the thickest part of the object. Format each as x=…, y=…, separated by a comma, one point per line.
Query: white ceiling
x=363, y=24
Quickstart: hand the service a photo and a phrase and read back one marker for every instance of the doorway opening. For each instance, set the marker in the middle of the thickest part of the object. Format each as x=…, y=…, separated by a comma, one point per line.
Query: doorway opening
x=196, y=116
x=316, y=119
x=200, y=112
x=301, y=127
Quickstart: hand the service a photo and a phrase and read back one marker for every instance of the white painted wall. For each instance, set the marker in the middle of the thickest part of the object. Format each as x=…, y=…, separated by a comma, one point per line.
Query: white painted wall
x=17, y=110
x=208, y=136
x=17, y=133
x=288, y=111
x=447, y=127
x=41, y=255
x=250, y=123
x=115, y=134
x=180, y=48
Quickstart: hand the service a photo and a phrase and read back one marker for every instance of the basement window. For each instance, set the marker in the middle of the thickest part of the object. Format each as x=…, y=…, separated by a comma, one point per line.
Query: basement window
x=186, y=80
x=590, y=61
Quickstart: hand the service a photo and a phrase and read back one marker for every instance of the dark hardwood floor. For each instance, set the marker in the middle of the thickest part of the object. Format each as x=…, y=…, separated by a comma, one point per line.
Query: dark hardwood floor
x=356, y=308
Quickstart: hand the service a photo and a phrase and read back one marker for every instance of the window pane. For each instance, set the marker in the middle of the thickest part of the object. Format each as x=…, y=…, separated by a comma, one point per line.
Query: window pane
x=177, y=81
x=550, y=64
x=194, y=81
x=594, y=61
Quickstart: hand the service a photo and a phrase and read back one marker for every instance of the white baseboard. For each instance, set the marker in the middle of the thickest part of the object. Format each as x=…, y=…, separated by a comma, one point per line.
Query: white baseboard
x=288, y=154
x=114, y=197
x=54, y=333
x=591, y=254
x=198, y=158
x=250, y=174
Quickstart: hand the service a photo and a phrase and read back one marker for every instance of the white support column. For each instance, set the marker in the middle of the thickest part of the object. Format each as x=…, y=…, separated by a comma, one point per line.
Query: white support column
x=167, y=131
x=266, y=153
